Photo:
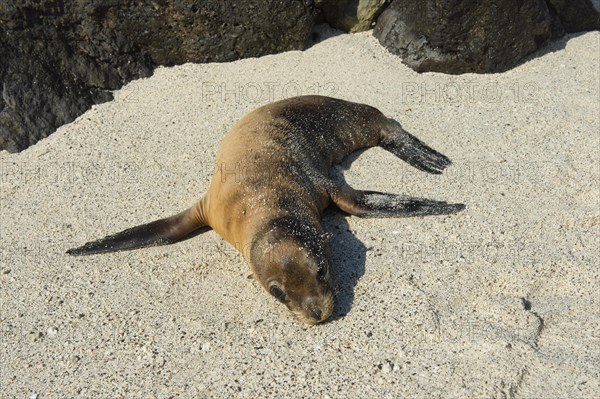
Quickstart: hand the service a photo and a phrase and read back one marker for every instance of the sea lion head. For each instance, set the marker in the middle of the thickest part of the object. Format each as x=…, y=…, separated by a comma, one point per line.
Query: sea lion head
x=292, y=261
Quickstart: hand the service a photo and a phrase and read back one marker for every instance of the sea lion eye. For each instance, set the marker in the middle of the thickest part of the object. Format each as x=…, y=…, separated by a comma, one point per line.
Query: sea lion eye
x=277, y=293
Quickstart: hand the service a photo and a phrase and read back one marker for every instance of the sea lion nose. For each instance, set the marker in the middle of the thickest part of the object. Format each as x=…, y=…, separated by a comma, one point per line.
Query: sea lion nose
x=316, y=314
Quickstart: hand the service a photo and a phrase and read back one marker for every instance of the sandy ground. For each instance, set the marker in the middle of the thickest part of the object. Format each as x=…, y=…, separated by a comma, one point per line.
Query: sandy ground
x=499, y=301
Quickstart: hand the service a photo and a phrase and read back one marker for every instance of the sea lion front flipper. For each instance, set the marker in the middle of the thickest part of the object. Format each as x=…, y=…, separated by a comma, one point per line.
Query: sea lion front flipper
x=412, y=150
x=375, y=204
x=159, y=232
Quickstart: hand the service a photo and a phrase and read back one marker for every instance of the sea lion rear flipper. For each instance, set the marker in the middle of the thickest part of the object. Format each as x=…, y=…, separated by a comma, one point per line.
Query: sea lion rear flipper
x=159, y=232
x=412, y=150
x=376, y=204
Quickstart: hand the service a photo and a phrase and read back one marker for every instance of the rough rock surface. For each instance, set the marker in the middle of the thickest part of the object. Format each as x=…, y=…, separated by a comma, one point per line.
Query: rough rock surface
x=460, y=36
x=352, y=15
x=576, y=15
x=59, y=58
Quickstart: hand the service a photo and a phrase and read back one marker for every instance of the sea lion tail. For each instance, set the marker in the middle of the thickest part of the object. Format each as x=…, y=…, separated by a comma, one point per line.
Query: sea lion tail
x=160, y=232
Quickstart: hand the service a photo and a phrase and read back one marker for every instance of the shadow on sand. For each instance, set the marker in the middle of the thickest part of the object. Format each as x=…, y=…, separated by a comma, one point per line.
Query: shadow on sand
x=348, y=252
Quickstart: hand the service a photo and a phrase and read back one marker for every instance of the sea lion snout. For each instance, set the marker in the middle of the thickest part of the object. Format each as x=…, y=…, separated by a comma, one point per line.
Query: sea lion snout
x=311, y=301
x=318, y=309
x=316, y=314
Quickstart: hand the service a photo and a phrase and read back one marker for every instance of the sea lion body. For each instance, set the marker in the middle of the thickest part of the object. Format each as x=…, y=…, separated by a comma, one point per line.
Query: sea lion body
x=271, y=185
x=277, y=150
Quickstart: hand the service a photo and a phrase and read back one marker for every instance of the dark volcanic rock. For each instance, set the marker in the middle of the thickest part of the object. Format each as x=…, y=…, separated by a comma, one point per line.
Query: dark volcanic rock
x=459, y=36
x=57, y=58
x=351, y=15
x=576, y=15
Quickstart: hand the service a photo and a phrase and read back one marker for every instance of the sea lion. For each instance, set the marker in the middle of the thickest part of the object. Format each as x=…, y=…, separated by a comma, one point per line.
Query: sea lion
x=271, y=185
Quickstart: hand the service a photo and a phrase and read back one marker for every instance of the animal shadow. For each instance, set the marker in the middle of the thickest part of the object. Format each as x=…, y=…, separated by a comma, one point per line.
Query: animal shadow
x=348, y=254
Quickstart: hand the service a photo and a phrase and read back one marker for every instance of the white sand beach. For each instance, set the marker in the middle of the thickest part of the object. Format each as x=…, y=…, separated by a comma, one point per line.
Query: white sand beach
x=498, y=301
